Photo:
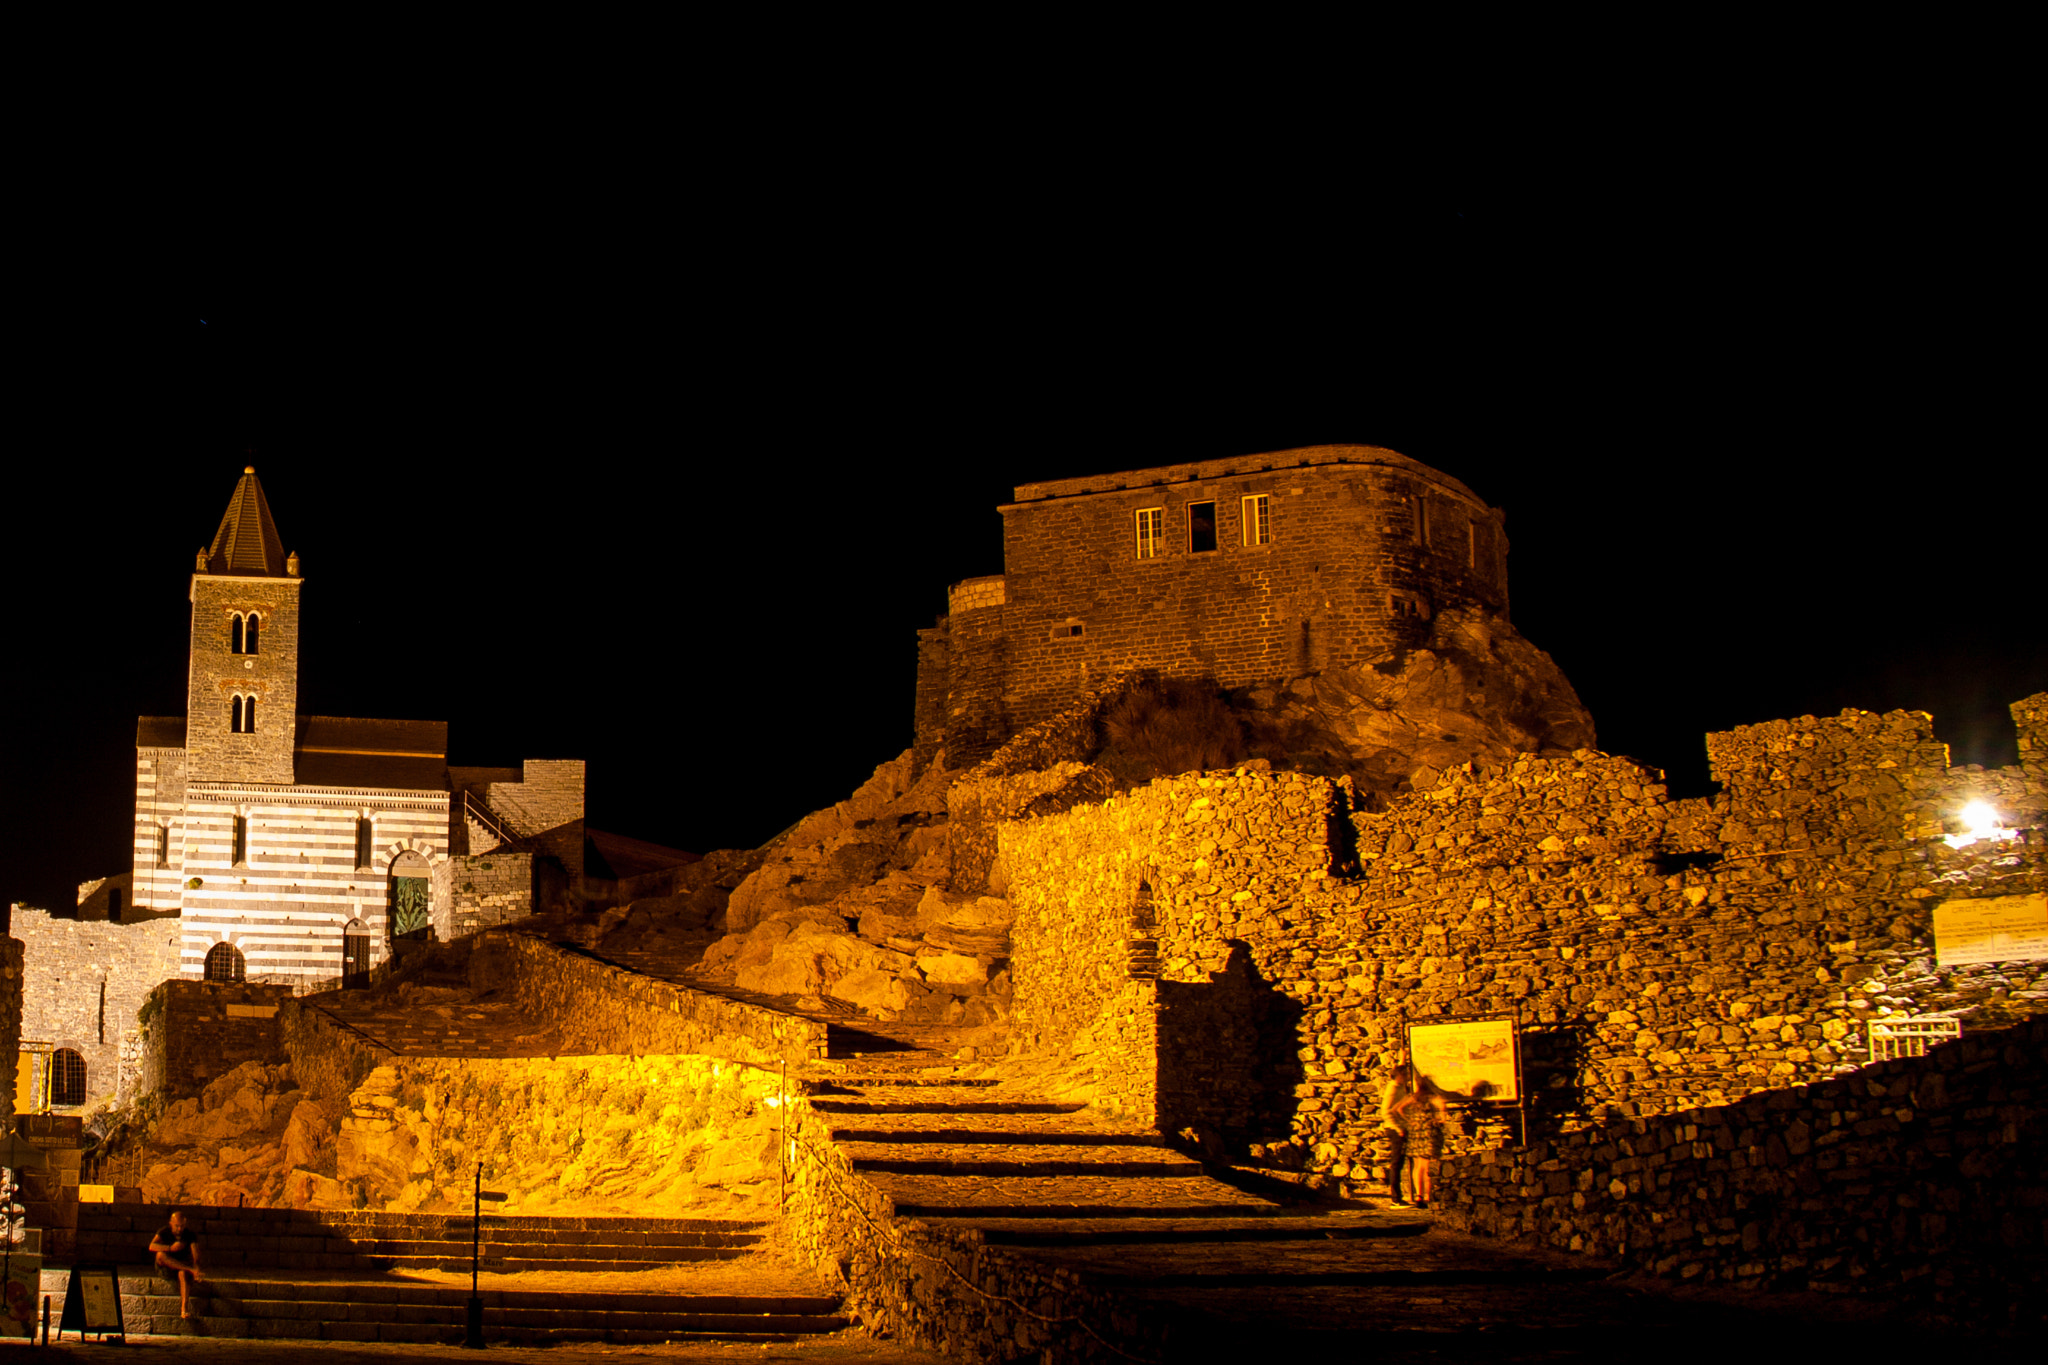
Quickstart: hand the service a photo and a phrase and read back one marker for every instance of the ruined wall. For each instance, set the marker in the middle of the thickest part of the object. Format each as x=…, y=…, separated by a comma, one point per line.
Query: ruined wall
x=646, y=1136
x=1919, y=1177
x=329, y=1057
x=84, y=983
x=1659, y=955
x=195, y=1031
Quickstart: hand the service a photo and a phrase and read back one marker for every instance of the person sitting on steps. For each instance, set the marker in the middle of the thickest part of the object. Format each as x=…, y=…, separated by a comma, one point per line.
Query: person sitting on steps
x=177, y=1253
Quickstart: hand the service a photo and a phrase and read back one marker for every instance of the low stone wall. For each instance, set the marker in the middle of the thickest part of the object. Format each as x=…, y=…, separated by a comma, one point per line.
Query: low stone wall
x=11, y=950
x=944, y=1289
x=1918, y=1178
x=194, y=1031
x=605, y=1009
x=639, y=1136
x=328, y=1057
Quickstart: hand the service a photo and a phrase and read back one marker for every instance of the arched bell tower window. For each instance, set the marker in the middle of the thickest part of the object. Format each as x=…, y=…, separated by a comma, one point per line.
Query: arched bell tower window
x=249, y=633
x=242, y=715
x=242, y=633
x=224, y=962
x=235, y=715
x=235, y=633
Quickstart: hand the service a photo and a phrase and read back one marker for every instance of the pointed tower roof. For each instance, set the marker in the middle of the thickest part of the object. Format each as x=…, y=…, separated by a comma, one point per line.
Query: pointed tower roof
x=247, y=541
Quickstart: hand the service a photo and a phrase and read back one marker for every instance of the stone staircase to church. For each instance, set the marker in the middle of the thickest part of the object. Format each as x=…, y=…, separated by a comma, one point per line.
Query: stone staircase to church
x=336, y=1276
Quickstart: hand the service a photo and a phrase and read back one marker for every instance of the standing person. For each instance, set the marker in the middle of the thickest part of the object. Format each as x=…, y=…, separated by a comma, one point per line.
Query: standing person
x=1399, y=1087
x=1421, y=1116
x=177, y=1253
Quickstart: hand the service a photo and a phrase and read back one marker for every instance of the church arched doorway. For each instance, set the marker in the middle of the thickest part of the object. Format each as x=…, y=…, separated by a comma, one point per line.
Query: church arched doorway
x=355, y=955
x=411, y=896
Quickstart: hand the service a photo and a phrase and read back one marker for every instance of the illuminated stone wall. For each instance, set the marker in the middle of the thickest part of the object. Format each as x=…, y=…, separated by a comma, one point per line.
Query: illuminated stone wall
x=1659, y=955
x=195, y=1031
x=84, y=983
x=10, y=1018
x=640, y=1136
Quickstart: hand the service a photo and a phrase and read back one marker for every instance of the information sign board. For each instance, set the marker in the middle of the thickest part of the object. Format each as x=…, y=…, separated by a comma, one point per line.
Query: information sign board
x=1470, y=1058
x=1991, y=929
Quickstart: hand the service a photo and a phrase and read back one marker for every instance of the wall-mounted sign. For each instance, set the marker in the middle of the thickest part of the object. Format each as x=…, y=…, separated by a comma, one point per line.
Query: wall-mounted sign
x=1991, y=929
x=1471, y=1059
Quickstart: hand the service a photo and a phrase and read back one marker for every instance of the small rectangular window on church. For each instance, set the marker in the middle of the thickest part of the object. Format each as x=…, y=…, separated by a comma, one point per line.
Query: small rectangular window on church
x=1257, y=519
x=240, y=851
x=163, y=845
x=1201, y=527
x=363, y=837
x=1151, y=531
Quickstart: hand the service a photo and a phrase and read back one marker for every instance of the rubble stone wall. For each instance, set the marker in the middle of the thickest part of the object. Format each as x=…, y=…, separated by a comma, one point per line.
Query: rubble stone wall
x=85, y=982
x=329, y=1058
x=605, y=1009
x=1658, y=955
x=194, y=1031
x=1914, y=1176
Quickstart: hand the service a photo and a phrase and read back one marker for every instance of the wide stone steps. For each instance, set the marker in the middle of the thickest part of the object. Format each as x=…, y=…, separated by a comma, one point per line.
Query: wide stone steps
x=300, y=1240
x=330, y=1311
x=831, y=1105
x=1011, y=1160
x=1008, y=1135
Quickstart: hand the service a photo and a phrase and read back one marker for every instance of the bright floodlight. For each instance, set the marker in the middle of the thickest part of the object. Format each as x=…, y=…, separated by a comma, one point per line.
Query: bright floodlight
x=1981, y=819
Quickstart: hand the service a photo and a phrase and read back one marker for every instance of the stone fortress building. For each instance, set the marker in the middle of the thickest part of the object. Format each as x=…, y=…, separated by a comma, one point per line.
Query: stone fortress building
x=277, y=847
x=1239, y=570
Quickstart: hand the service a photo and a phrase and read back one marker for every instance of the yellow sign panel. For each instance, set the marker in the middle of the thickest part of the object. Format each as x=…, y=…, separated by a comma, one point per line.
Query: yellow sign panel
x=95, y=1194
x=1472, y=1058
x=1991, y=929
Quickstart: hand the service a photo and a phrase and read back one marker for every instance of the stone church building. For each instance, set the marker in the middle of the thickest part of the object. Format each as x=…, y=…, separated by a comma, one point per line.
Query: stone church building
x=279, y=847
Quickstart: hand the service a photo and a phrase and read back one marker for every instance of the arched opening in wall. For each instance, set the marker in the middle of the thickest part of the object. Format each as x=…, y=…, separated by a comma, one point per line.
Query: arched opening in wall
x=235, y=716
x=248, y=715
x=235, y=633
x=249, y=634
x=411, y=896
x=355, y=955
x=224, y=962
x=67, y=1078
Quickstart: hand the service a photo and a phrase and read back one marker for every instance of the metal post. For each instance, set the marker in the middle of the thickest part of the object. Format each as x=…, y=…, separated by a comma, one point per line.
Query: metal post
x=473, y=1337
x=782, y=1140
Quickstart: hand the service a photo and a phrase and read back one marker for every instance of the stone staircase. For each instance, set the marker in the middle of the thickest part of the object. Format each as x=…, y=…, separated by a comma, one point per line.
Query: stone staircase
x=337, y=1276
x=1225, y=1256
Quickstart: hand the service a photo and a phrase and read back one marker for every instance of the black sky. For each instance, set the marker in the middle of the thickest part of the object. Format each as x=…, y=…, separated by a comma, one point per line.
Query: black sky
x=672, y=494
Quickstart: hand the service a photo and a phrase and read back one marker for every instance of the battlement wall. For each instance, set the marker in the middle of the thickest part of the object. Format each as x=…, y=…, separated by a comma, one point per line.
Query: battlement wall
x=1659, y=955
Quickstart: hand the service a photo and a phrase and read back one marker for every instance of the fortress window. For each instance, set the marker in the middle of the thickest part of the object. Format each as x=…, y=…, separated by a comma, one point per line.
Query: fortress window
x=240, y=850
x=1257, y=519
x=224, y=962
x=1408, y=604
x=1069, y=629
x=163, y=845
x=1151, y=531
x=1201, y=527
x=235, y=633
x=365, y=832
x=67, y=1078
x=249, y=634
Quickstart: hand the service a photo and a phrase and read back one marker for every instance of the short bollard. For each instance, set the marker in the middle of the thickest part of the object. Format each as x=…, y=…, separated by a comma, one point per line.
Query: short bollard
x=46, y=1321
x=473, y=1336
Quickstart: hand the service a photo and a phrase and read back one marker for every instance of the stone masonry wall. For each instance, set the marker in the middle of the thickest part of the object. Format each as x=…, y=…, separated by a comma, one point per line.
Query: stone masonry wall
x=489, y=889
x=1920, y=1177
x=194, y=1031
x=605, y=1009
x=1658, y=955
x=329, y=1058
x=213, y=753
x=85, y=983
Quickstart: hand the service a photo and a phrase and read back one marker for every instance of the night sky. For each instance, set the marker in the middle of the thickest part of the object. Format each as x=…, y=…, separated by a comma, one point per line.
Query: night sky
x=675, y=502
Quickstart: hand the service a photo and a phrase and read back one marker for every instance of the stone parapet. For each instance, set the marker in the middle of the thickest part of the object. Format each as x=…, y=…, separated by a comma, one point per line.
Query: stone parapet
x=600, y=1008
x=1915, y=1178
x=195, y=1031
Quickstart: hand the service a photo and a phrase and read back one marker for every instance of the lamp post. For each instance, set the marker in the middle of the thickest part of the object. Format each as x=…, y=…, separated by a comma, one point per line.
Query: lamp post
x=473, y=1337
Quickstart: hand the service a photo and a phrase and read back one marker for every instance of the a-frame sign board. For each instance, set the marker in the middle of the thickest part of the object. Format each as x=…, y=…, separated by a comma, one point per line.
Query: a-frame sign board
x=92, y=1303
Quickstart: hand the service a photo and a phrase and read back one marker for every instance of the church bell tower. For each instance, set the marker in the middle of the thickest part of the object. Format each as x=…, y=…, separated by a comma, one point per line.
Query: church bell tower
x=242, y=700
